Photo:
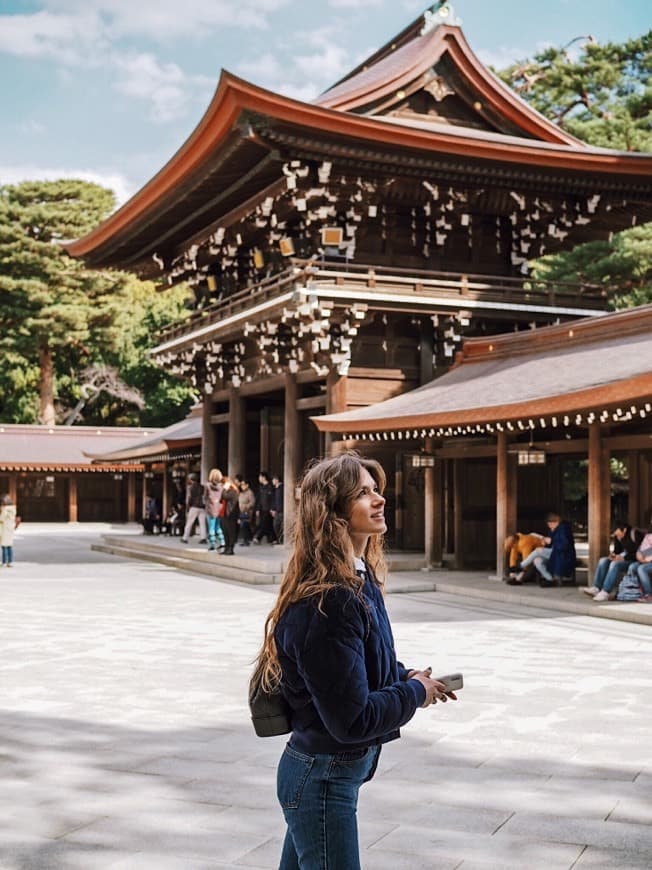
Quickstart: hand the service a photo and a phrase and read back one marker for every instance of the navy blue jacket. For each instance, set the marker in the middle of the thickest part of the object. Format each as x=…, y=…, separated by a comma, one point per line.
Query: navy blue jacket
x=562, y=559
x=340, y=674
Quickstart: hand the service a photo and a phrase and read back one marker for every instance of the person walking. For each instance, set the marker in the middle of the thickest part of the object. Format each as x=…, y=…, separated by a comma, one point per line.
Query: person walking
x=328, y=644
x=7, y=531
x=264, y=500
x=194, y=509
x=214, y=508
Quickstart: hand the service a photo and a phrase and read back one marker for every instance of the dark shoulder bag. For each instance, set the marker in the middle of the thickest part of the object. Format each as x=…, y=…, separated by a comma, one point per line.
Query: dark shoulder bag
x=270, y=712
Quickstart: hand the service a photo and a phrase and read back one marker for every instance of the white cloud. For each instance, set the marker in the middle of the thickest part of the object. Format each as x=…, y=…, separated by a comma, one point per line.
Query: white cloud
x=65, y=38
x=31, y=127
x=115, y=181
x=164, y=86
x=168, y=19
x=263, y=70
x=501, y=57
x=306, y=92
x=353, y=4
x=327, y=61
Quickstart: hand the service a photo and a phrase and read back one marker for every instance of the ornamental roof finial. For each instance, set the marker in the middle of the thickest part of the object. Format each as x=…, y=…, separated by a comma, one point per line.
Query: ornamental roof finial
x=439, y=13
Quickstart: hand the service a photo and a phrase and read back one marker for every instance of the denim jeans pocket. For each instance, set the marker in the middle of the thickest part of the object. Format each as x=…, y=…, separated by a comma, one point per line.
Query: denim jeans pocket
x=293, y=771
x=356, y=766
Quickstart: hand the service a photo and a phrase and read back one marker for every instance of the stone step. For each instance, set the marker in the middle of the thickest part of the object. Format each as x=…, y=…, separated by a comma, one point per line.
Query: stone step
x=218, y=569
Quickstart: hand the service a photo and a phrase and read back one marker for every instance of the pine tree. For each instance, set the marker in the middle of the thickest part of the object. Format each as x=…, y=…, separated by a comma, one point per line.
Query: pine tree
x=601, y=93
x=59, y=319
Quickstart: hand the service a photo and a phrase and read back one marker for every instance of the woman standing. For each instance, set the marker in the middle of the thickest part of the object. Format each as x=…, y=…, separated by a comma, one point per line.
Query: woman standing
x=7, y=530
x=214, y=512
x=328, y=643
x=231, y=514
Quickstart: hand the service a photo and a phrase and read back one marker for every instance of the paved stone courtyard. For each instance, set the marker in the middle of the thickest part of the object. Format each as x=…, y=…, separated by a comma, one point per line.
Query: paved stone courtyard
x=125, y=740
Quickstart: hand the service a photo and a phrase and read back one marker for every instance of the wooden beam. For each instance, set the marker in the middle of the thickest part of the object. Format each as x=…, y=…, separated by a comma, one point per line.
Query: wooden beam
x=131, y=498
x=598, y=497
x=207, y=440
x=502, y=501
x=237, y=434
x=336, y=401
x=457, y=513
x=311, y=402
x=433, y=512
x=72, y=498
x=291, y=453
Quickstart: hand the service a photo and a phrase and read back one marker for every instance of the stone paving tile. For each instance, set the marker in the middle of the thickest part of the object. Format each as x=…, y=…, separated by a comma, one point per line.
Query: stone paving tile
x=40, y=854
x=611, y=859
x=469, y=850
x=124, y=708
x=607, y=834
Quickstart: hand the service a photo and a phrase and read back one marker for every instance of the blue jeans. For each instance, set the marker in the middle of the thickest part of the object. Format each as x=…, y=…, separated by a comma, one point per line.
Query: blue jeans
x=608, y=572
x=319, y=798
x=540, y=558
x=7, y=555
x=215, y=532
x=644, y=571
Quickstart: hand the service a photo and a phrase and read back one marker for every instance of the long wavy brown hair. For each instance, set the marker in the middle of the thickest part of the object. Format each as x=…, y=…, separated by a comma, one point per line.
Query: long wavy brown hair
x=322, y=552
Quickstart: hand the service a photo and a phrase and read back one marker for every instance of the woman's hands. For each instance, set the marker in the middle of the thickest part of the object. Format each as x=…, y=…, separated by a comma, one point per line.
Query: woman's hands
x=435, y=690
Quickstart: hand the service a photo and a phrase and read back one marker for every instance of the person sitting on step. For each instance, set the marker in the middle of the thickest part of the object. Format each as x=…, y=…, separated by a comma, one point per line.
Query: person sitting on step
x=556, y=560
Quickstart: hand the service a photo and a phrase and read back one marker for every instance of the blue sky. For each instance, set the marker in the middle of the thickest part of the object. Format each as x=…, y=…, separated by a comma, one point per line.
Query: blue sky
x=109, y=89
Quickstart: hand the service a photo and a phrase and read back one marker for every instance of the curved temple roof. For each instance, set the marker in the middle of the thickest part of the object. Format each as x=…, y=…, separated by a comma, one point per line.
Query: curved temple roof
x=411, y=64
x=576, y=367
x=232, y=159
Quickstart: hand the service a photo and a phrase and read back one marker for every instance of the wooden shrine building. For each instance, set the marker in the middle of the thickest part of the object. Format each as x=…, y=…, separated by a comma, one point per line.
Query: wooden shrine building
x=339, y=250
x=522, y=424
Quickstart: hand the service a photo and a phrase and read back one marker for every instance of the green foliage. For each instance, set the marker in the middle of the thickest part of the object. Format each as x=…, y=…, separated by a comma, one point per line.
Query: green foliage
x=52, y=308
x=603, y=95
x=622, y=266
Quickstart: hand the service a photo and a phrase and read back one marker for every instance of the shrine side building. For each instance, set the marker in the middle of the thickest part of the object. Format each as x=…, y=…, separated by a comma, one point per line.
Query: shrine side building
x=340, y=252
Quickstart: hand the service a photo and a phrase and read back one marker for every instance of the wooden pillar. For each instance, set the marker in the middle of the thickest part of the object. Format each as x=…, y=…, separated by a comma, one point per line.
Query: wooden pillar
x=336, y=401
x=433, y=511
x=426, y=348
x=237, y=434
x=72, y=498
x=634, y=489
x=599, y=497
x=291, y=452
x=264, y=440
x=207, y=440
x=164, y=495
x=506, y=489
x=13, y=488
x=457, y=513
x=131, y=498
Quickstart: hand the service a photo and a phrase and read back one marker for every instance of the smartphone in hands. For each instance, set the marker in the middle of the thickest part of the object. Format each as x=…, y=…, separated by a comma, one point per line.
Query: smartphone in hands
x=453, y=682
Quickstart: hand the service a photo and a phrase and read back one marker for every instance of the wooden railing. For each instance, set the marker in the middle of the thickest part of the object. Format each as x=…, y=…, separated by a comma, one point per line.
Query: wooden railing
x=456, y=286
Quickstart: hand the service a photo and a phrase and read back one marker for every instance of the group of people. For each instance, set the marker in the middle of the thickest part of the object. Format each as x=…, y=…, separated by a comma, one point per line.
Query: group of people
x=224, y=510
x=552, y=559
x=629, y=562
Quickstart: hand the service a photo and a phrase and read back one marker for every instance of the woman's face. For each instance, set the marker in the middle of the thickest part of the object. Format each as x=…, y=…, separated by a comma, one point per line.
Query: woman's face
x=367, y=508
